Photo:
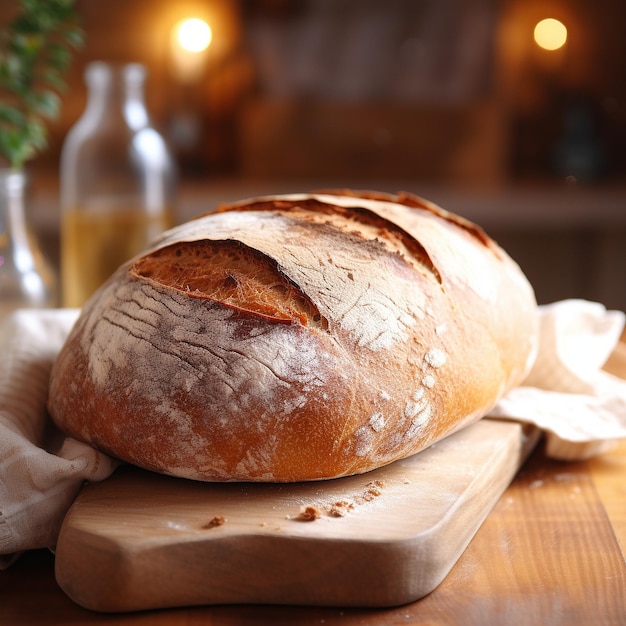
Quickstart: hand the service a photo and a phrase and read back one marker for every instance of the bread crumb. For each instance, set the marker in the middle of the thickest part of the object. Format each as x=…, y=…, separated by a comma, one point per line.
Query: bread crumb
x=218, y=520
x=340, y=508
x=373, y=490
x=308, y=514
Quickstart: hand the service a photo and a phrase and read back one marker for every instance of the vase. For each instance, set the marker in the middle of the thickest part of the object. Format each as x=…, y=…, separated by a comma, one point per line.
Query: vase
x=26, y=279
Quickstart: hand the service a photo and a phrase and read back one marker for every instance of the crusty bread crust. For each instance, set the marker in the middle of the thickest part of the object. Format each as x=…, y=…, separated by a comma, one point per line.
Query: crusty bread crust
x=297, y=337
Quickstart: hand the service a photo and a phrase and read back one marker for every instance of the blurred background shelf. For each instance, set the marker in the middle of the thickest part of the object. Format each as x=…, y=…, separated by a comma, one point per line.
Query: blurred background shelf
x=570, y=242
x=452, y=100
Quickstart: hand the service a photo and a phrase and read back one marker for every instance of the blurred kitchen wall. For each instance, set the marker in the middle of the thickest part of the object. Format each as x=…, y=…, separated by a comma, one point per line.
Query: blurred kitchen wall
x=436, y=90
x=451, y=99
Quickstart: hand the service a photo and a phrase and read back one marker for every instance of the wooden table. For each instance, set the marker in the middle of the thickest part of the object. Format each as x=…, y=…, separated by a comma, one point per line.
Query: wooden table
x=552, y=552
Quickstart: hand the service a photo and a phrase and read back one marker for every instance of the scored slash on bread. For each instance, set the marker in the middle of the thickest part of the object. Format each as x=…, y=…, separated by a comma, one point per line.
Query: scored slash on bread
x=297, y=337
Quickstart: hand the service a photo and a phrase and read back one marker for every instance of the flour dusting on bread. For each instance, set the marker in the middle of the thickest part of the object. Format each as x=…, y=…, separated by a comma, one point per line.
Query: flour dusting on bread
x=298, y=337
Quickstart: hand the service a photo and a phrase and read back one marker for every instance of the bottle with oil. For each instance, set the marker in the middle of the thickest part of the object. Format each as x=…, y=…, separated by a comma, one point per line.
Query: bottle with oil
x=117, y=180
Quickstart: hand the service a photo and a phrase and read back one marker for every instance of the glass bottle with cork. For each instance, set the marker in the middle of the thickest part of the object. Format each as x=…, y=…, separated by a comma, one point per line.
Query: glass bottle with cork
x=117, y=180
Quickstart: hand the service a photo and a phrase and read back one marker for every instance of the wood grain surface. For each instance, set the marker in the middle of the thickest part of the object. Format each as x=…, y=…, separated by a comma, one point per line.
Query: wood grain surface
x=140, y=540
x=550, y=553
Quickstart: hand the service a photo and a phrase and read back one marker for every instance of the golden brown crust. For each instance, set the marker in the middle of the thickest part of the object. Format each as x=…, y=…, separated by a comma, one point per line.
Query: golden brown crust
x=297, y=338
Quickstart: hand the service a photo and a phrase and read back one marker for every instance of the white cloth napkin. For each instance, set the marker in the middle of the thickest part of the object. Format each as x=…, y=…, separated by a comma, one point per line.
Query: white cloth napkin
x=581, y=408
x=41, y=469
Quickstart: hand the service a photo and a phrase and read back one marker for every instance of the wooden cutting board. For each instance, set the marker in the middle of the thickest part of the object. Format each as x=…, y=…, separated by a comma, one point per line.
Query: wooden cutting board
x=141, y=541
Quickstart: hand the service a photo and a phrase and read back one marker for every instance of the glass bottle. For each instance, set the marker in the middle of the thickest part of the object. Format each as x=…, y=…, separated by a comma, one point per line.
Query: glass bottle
x=116, y=181
x=26, y=279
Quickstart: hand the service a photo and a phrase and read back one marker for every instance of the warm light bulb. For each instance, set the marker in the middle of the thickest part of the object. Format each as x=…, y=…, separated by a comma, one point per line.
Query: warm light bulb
x=550, y=34
x=194, y=35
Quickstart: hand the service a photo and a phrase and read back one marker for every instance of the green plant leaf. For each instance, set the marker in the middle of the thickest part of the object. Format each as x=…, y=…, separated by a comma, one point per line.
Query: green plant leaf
x=35, y=52
x=75, y=36
x=54, y=79
x=45, y=104
x=10, y=116
x=59, y=56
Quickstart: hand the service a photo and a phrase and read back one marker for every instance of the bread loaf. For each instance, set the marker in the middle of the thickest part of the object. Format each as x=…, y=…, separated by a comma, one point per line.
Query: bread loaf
x=297, y=337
